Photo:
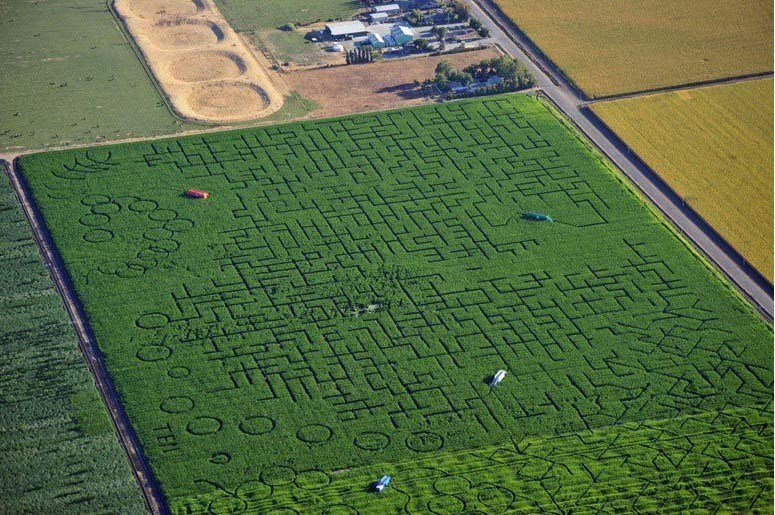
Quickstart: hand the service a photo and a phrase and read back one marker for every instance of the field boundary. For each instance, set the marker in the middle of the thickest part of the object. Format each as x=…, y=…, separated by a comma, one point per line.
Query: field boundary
x=556, y=73
x=149, y=486
x=133, y=44
x=656, y=180
x=680, y=87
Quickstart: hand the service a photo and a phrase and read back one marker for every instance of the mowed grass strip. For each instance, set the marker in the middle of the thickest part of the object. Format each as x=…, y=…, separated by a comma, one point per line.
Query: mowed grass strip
x=609, y=47
x=346, y=291
x=246, y=15
x=59, y=453
x=69, y=75
x=713, y=146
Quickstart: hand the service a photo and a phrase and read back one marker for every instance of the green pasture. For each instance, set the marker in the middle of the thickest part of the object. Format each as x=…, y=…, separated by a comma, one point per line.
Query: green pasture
x=70, y=76
x=58, y=451
x=244, y=15
x=343, y=296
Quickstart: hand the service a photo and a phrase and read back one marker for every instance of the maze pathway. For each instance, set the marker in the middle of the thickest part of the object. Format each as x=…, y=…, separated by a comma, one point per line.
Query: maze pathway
x=349, y=287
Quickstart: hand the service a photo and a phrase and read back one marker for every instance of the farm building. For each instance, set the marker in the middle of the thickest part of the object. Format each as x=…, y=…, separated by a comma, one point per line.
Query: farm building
x=345, y=30
x=376, y=40
x=378, y=17
x=387, y=9
x=401, y=35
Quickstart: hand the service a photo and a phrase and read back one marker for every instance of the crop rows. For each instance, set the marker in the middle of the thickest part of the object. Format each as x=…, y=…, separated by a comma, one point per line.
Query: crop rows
x=59, y=451
x=345, y=293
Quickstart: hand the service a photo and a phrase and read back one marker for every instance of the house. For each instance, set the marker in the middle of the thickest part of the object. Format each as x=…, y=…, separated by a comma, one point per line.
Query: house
x=376, y=41
x=401, y=35
x=387, y=9
x=378, y=17
x=345, y=30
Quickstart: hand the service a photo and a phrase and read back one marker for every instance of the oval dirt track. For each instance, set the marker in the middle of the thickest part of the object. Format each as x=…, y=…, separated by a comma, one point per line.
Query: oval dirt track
x=207, y=72
x=207, y=66
x=157, y=9
x=228, y=99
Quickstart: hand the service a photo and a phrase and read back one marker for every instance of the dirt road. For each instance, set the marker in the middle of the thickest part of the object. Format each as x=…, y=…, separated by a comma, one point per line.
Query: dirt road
x=571, y=103
x=151, y=490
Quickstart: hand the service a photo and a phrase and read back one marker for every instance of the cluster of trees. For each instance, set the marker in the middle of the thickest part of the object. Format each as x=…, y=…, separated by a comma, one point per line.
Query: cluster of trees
x=511, y=71
x=514, y=75
x=456, y=12
x=360, y=55
x=476, y=24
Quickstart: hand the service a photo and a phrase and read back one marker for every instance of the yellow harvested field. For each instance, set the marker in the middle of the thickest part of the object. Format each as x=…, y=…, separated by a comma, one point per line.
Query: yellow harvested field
x=609, y=47
x=714, y=147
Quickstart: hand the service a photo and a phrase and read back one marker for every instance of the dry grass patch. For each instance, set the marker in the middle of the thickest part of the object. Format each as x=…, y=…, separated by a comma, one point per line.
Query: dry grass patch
x=714, y=147
x=358, y=88
x=609, y=46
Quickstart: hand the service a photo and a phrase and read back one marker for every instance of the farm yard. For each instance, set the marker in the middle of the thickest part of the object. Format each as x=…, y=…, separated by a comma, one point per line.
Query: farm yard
x=375, y=86
x=608, y=47
x=334, y=310
x=713, y=146
x=59, y=451
x=71, y=77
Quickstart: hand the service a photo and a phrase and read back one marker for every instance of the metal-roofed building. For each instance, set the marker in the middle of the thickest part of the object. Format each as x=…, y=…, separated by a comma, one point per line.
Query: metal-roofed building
x=387, y=9
x=402, y=35
x=346, y=30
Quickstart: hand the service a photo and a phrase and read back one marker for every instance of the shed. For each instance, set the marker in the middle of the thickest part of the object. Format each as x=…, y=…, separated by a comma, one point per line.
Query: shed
x=387, y=9
x=346, y=30
x=402, y=35
x=195, y=193
x=378, y=17
x=376, y=40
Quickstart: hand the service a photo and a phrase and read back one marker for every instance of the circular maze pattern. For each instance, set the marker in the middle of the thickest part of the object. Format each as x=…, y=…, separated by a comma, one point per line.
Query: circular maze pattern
x=425, y=441
x=179, y=372
x=371, y=441
x=257, y=425
x=227, y=504
x=160, y=238
x=178, y=404
x=445, y=504
x=495, y=497
x=278, y=475
x=202, y=426
x=315, y=434
x=220, y=458
x=451, y=485
x=153, y=353
x=312, y=480
x=253, y=490
x=153, y=321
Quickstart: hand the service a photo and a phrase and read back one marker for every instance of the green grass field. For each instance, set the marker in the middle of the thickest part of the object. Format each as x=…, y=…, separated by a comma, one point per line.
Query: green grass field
x=70, y=76
x=610, y=47
x=714, y=147
x=333, y=312
x=246, y=16
x=59, y=451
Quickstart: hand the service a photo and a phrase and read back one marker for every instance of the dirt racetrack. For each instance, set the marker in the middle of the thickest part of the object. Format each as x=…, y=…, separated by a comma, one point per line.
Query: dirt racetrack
x=207, y=72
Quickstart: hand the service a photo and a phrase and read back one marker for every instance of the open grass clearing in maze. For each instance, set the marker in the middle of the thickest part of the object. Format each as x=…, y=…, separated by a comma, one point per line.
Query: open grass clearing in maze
x=349, y=286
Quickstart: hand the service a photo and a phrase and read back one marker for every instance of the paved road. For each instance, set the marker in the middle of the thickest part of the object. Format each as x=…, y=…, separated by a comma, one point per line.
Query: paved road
x=150, y=488
x=571, y=104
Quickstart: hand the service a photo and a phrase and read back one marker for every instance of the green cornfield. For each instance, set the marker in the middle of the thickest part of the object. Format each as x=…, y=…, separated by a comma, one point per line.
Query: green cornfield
x=335, y=309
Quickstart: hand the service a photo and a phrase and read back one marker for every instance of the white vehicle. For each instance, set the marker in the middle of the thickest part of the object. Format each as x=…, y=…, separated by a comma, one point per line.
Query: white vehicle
x=497, y=378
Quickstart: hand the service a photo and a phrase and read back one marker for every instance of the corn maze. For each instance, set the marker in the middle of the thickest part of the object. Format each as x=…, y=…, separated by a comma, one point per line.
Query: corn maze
x=334, y=311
